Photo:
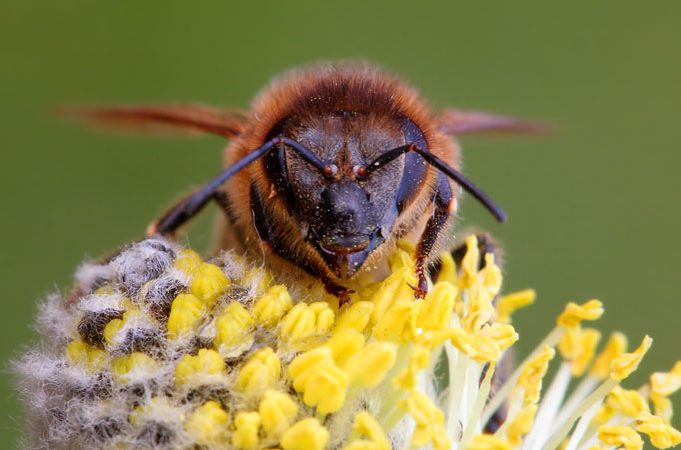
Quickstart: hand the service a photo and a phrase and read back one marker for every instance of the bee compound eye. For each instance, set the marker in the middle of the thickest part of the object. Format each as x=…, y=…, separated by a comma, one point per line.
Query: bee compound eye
x=360, y=171
x=330, y=170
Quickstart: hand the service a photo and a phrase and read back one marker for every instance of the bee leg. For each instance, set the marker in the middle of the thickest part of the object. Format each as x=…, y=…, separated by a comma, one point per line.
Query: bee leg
x=339, y=291
x=183, y=210
x=442, y=200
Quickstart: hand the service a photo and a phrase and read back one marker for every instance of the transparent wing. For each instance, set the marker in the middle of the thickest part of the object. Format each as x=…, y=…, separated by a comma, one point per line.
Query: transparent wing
x=456, y=122
x=164, y=119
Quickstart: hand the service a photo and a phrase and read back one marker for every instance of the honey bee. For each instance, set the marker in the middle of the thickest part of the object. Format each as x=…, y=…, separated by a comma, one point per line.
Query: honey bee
x=333, y=164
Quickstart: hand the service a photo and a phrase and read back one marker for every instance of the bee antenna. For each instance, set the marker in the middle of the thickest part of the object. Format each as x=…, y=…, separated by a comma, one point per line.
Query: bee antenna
x=445, y=168
x=191, y=205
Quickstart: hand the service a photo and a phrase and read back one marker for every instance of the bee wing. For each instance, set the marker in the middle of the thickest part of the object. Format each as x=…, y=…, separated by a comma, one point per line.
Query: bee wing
x=453, y=121
x=164, y=119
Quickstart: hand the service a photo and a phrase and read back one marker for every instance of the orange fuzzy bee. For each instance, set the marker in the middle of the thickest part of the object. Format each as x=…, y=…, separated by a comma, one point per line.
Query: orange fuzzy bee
x=331, y=167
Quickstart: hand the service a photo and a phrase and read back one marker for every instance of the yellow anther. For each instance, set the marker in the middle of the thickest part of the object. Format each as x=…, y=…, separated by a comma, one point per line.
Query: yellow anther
x=478, y=347
x=277, y=413
x=188, y=261
x=133, y=366
x=418, y=360
x=484, y=349
x=533, y=372
x=617, y=344
x=622, y=366
x=433, y=339
x=355, y=317
x=479, y=310
x=298, y=323
x=663, y=406
x=365, y=292
x=407, y=246
x=367, y=427
x=307, y=434
x=271, y=307
x=78, y=352
x=508, y=304
x=447, y=269
x=399, y=322
x=394, y=289
x=322, y=382
x=111, y=328
x=470, y=262
x=369, y=366
x=620, y=436
x=305, y=321
x=488, y=442
x=344, y=344
x=186, y=313
x=502, y=333
x=434, y=312
x=207, y=367
x=326, y=389
x=208, y=283
x=207, y=425
x=260, y=372
x=491, y=275
x=574, y=314
x=661, y=434
x=521, y=424
x=627, y=402
x=115, y=325
x=603, y=415
x=135, y=416
x=246, y=426
x=666, y=383
x=402, y=257
x=233, y=326
x=429, y=421
x=303, y=365
x=578, y=346
x=324, y=317
x=104, y=290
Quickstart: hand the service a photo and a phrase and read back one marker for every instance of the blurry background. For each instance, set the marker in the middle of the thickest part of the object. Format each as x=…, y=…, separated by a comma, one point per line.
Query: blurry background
x=594, y=211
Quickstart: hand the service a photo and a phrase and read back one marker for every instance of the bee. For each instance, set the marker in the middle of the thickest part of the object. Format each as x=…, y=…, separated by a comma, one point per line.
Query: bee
x=332, y=165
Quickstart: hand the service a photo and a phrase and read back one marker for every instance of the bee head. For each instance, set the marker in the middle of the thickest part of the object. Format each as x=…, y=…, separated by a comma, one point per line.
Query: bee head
x=346, y=210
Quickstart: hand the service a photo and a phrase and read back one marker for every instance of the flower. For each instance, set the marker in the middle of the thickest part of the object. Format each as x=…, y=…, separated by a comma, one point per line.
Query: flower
x=159, y=348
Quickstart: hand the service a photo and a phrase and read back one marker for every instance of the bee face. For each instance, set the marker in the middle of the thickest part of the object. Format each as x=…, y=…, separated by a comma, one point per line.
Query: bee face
x=345, y=214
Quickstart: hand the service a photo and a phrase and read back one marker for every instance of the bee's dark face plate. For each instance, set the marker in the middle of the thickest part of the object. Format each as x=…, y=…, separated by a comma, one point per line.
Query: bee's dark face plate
x=344, y=217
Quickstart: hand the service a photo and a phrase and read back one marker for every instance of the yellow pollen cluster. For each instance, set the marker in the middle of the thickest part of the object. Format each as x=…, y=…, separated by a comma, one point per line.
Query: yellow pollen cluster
x=168, y=350
x=260, y=371
x=206, y=367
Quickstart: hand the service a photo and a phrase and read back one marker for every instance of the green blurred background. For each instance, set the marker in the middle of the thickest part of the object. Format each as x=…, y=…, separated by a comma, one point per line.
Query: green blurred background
x=594, y=210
